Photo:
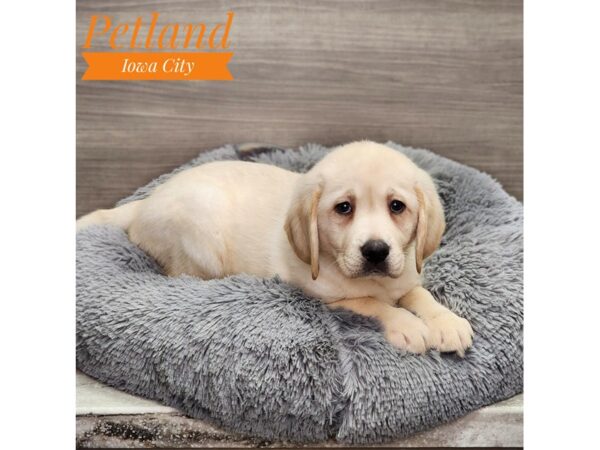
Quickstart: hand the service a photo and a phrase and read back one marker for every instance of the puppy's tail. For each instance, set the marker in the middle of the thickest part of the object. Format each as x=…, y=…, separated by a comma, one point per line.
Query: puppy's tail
x=121, y=216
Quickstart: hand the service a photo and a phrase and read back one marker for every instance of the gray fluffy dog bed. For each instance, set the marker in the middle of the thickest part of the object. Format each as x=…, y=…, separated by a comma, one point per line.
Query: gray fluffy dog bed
x=257, y=357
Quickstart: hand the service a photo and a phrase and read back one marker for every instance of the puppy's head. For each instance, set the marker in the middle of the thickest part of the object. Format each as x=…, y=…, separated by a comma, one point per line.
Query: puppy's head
x=368, y=207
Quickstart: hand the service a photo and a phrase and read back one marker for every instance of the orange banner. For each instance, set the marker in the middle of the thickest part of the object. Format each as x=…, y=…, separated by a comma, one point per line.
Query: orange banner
x=157, y=66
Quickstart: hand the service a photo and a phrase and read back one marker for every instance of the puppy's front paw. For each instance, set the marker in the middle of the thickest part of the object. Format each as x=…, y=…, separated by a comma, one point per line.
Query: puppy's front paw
x=449, y=333
x=406, y=331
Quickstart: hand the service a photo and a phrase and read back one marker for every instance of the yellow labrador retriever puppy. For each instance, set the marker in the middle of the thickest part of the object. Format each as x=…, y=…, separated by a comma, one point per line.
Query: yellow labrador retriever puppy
x=353, y=232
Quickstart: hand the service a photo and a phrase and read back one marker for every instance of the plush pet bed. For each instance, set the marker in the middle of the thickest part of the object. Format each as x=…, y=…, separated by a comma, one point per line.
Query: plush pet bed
x=258, y=357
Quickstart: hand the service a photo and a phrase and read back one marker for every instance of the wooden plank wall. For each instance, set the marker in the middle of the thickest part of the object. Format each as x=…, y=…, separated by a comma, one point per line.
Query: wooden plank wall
x=444, y=75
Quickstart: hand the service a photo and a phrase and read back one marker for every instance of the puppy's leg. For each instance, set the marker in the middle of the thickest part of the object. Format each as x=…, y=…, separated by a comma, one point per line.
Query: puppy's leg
x=447, y=331
x=121, y=216
x=186, y=237
x=401, y=328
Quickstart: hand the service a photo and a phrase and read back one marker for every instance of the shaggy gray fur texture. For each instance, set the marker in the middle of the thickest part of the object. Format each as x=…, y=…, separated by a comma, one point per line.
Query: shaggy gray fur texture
x=260, y=358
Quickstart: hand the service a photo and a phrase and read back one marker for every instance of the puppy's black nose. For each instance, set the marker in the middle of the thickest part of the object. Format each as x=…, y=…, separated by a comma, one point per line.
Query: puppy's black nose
x=375, y=251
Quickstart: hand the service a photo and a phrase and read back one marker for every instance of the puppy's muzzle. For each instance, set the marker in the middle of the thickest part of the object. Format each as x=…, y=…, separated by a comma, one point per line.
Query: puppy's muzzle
x=375, y=253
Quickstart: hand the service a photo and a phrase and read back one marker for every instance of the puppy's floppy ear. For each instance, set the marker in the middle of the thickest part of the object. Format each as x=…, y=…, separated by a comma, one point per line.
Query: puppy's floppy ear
x=301, y=224
x=430, y=223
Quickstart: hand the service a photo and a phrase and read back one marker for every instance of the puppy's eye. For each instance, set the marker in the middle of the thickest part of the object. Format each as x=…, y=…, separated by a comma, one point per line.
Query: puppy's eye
x=396, y=206
x=343, y=208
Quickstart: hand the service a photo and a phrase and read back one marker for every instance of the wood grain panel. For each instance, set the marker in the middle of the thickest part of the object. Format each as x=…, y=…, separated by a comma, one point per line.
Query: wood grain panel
x=444, y=75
